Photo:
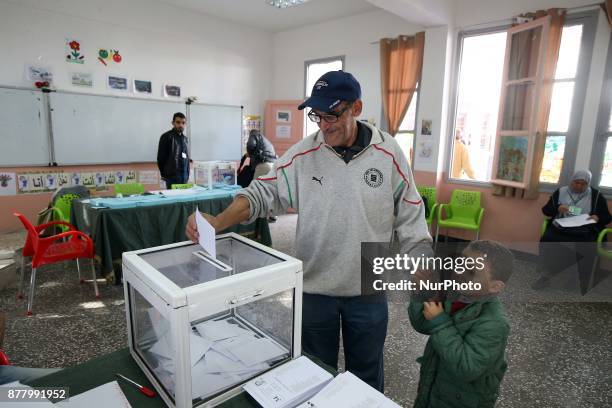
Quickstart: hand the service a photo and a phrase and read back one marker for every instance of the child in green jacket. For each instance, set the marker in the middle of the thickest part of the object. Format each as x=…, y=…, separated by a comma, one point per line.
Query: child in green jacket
x=465, y=358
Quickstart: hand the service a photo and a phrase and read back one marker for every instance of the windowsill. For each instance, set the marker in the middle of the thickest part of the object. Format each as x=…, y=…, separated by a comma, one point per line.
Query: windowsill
x=544, y=187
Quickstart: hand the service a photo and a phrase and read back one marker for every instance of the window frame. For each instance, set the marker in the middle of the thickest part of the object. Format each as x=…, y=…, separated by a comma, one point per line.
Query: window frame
x=589, y=21
x=416, y=117
x=601, y=129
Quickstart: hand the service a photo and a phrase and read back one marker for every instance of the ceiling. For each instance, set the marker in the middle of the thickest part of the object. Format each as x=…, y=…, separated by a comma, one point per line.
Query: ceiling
x=258, y=14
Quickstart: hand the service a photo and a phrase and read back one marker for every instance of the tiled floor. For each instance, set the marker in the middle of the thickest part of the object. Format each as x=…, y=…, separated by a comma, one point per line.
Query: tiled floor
x=560, y=352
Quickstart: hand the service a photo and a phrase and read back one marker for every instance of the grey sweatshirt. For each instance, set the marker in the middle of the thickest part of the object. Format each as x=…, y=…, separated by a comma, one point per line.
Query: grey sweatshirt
x=341, y=205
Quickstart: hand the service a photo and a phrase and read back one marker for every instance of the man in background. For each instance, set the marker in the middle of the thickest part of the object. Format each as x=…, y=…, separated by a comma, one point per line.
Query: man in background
x=462, y=166
x=172, y=153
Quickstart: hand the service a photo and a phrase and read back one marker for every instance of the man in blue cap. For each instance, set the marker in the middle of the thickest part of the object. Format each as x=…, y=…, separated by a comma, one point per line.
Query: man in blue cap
x=350, y=183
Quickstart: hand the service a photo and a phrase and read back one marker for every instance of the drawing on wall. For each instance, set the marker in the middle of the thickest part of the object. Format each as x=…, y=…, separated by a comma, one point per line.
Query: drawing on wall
x=117, y=83
x=39, y=73
x=109, y=56
x=512, y=158
x=8, y=184
x=73, y=51
x=172, y=90
x=141, y=86
x=283, y=116
x=81, y=79
x=426, y=127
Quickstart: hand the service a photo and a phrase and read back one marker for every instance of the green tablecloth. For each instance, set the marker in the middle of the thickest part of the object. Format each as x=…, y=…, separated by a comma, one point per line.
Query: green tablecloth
x=115, y=231
x=102, y=370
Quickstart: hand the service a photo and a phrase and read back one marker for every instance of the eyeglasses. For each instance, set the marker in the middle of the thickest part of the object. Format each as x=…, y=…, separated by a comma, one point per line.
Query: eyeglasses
x=331, y=117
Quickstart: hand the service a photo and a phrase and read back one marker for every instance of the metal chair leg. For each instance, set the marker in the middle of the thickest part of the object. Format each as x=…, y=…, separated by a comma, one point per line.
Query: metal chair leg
x=21, y=277
x=436, y=241
x=95, y=280
x=477, y=234
x=593, y=272
x=31, y=294
x=81, y=280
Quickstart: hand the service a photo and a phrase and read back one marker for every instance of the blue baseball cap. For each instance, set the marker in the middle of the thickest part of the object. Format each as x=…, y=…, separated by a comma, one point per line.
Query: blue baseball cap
x=331, y=89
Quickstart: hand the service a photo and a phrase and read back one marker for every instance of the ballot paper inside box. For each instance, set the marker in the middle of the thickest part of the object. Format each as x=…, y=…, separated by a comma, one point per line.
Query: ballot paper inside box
x=201, y=327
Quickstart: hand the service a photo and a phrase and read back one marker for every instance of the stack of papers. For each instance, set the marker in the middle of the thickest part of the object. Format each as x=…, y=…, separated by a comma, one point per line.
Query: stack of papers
x=348, y=391
x=289, y=385
x=222, y=353
x=575, y=221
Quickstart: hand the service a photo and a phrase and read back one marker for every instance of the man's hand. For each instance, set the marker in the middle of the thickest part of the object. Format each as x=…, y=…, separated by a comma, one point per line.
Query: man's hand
x=431, y=310
x=191, y=229
x=594, y=217
x=563, y=209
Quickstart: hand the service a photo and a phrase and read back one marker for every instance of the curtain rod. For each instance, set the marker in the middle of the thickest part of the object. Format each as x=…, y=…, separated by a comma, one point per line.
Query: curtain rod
x=570, y=10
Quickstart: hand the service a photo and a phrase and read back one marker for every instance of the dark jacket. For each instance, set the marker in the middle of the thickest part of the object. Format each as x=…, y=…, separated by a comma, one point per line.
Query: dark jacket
x=169, y=154
x=465, y=358
x=599, y=207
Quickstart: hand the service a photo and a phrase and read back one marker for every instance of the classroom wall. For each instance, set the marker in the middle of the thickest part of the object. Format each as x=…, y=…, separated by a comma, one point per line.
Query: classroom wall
x=220, y=62
x=352, y=37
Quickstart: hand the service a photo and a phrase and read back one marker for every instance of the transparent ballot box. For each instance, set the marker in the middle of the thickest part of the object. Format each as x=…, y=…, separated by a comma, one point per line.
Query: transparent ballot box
x=215, y=174
x=200, y=327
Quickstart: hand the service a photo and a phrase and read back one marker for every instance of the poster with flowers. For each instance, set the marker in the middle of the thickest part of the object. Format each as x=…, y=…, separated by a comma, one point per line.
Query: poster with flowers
x=107, y=56
x=8, y=184
x=73, y=51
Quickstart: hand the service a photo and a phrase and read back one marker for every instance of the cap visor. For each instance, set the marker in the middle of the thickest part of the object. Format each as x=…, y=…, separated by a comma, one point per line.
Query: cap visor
x=319, y=103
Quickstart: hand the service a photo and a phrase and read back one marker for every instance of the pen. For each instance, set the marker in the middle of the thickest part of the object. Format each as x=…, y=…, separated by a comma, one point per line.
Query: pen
x=146, y=391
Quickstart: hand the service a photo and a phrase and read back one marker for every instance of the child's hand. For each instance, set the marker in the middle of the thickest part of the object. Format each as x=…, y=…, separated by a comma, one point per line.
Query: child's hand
x=431, y=310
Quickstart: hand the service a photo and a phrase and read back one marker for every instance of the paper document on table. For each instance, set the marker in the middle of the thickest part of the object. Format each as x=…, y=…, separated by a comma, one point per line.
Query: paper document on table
x=348, y=391
x=289, y=384
x=206, y=235
x=575, y=221
x=107, y=395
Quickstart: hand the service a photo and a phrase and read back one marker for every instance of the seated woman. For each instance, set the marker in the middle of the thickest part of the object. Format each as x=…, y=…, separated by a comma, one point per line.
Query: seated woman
x=258, y=160
x=576, y=199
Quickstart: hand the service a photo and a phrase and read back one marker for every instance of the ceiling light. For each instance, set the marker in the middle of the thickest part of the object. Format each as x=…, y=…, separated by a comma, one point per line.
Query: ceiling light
x=285, y=3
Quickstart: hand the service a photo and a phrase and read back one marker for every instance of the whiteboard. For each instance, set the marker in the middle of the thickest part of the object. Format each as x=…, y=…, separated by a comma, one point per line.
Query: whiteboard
x=92, y=129
x=23, y=128
x=215, y=132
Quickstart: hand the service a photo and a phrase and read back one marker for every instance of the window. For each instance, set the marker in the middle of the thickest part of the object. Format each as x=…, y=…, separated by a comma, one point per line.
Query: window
x=478, y=95
x=405, y=135
x=312, y=71
x=602, y=152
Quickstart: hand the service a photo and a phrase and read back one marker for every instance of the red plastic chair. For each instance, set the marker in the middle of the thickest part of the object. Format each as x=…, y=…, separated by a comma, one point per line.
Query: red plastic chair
x=4, y=361
x=68, y=245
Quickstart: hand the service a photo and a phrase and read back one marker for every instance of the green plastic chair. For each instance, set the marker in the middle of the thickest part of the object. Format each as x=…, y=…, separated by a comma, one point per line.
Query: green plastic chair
x=430, y=194
x=602, y=252
x=129, y=189
x=544, y=226
x=181, y=186
x=61, y=209
x=463, y=212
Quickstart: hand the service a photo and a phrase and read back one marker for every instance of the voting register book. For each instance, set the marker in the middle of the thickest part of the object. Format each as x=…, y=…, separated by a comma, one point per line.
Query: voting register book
x=303, y=384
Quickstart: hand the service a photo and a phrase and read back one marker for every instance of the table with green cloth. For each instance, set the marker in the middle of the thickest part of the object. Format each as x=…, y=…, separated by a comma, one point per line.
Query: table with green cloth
x=117, y=230
x=102, y=370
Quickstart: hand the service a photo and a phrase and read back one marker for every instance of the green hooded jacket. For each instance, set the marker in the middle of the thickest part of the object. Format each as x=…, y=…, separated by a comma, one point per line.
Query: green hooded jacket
x=465, y=358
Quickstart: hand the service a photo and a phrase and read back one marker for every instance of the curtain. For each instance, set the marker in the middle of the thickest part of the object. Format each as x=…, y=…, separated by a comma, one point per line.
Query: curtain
x=401, y=61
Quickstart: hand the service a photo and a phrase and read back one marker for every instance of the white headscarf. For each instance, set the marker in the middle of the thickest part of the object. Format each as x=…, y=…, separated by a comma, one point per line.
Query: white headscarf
x=581, y=200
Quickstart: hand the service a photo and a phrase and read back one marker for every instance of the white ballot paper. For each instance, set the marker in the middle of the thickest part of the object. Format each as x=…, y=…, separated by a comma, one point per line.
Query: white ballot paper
x=207, y=235
x=107, y=395
x=348, y=391
x=289, y=384
x=575, y=221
